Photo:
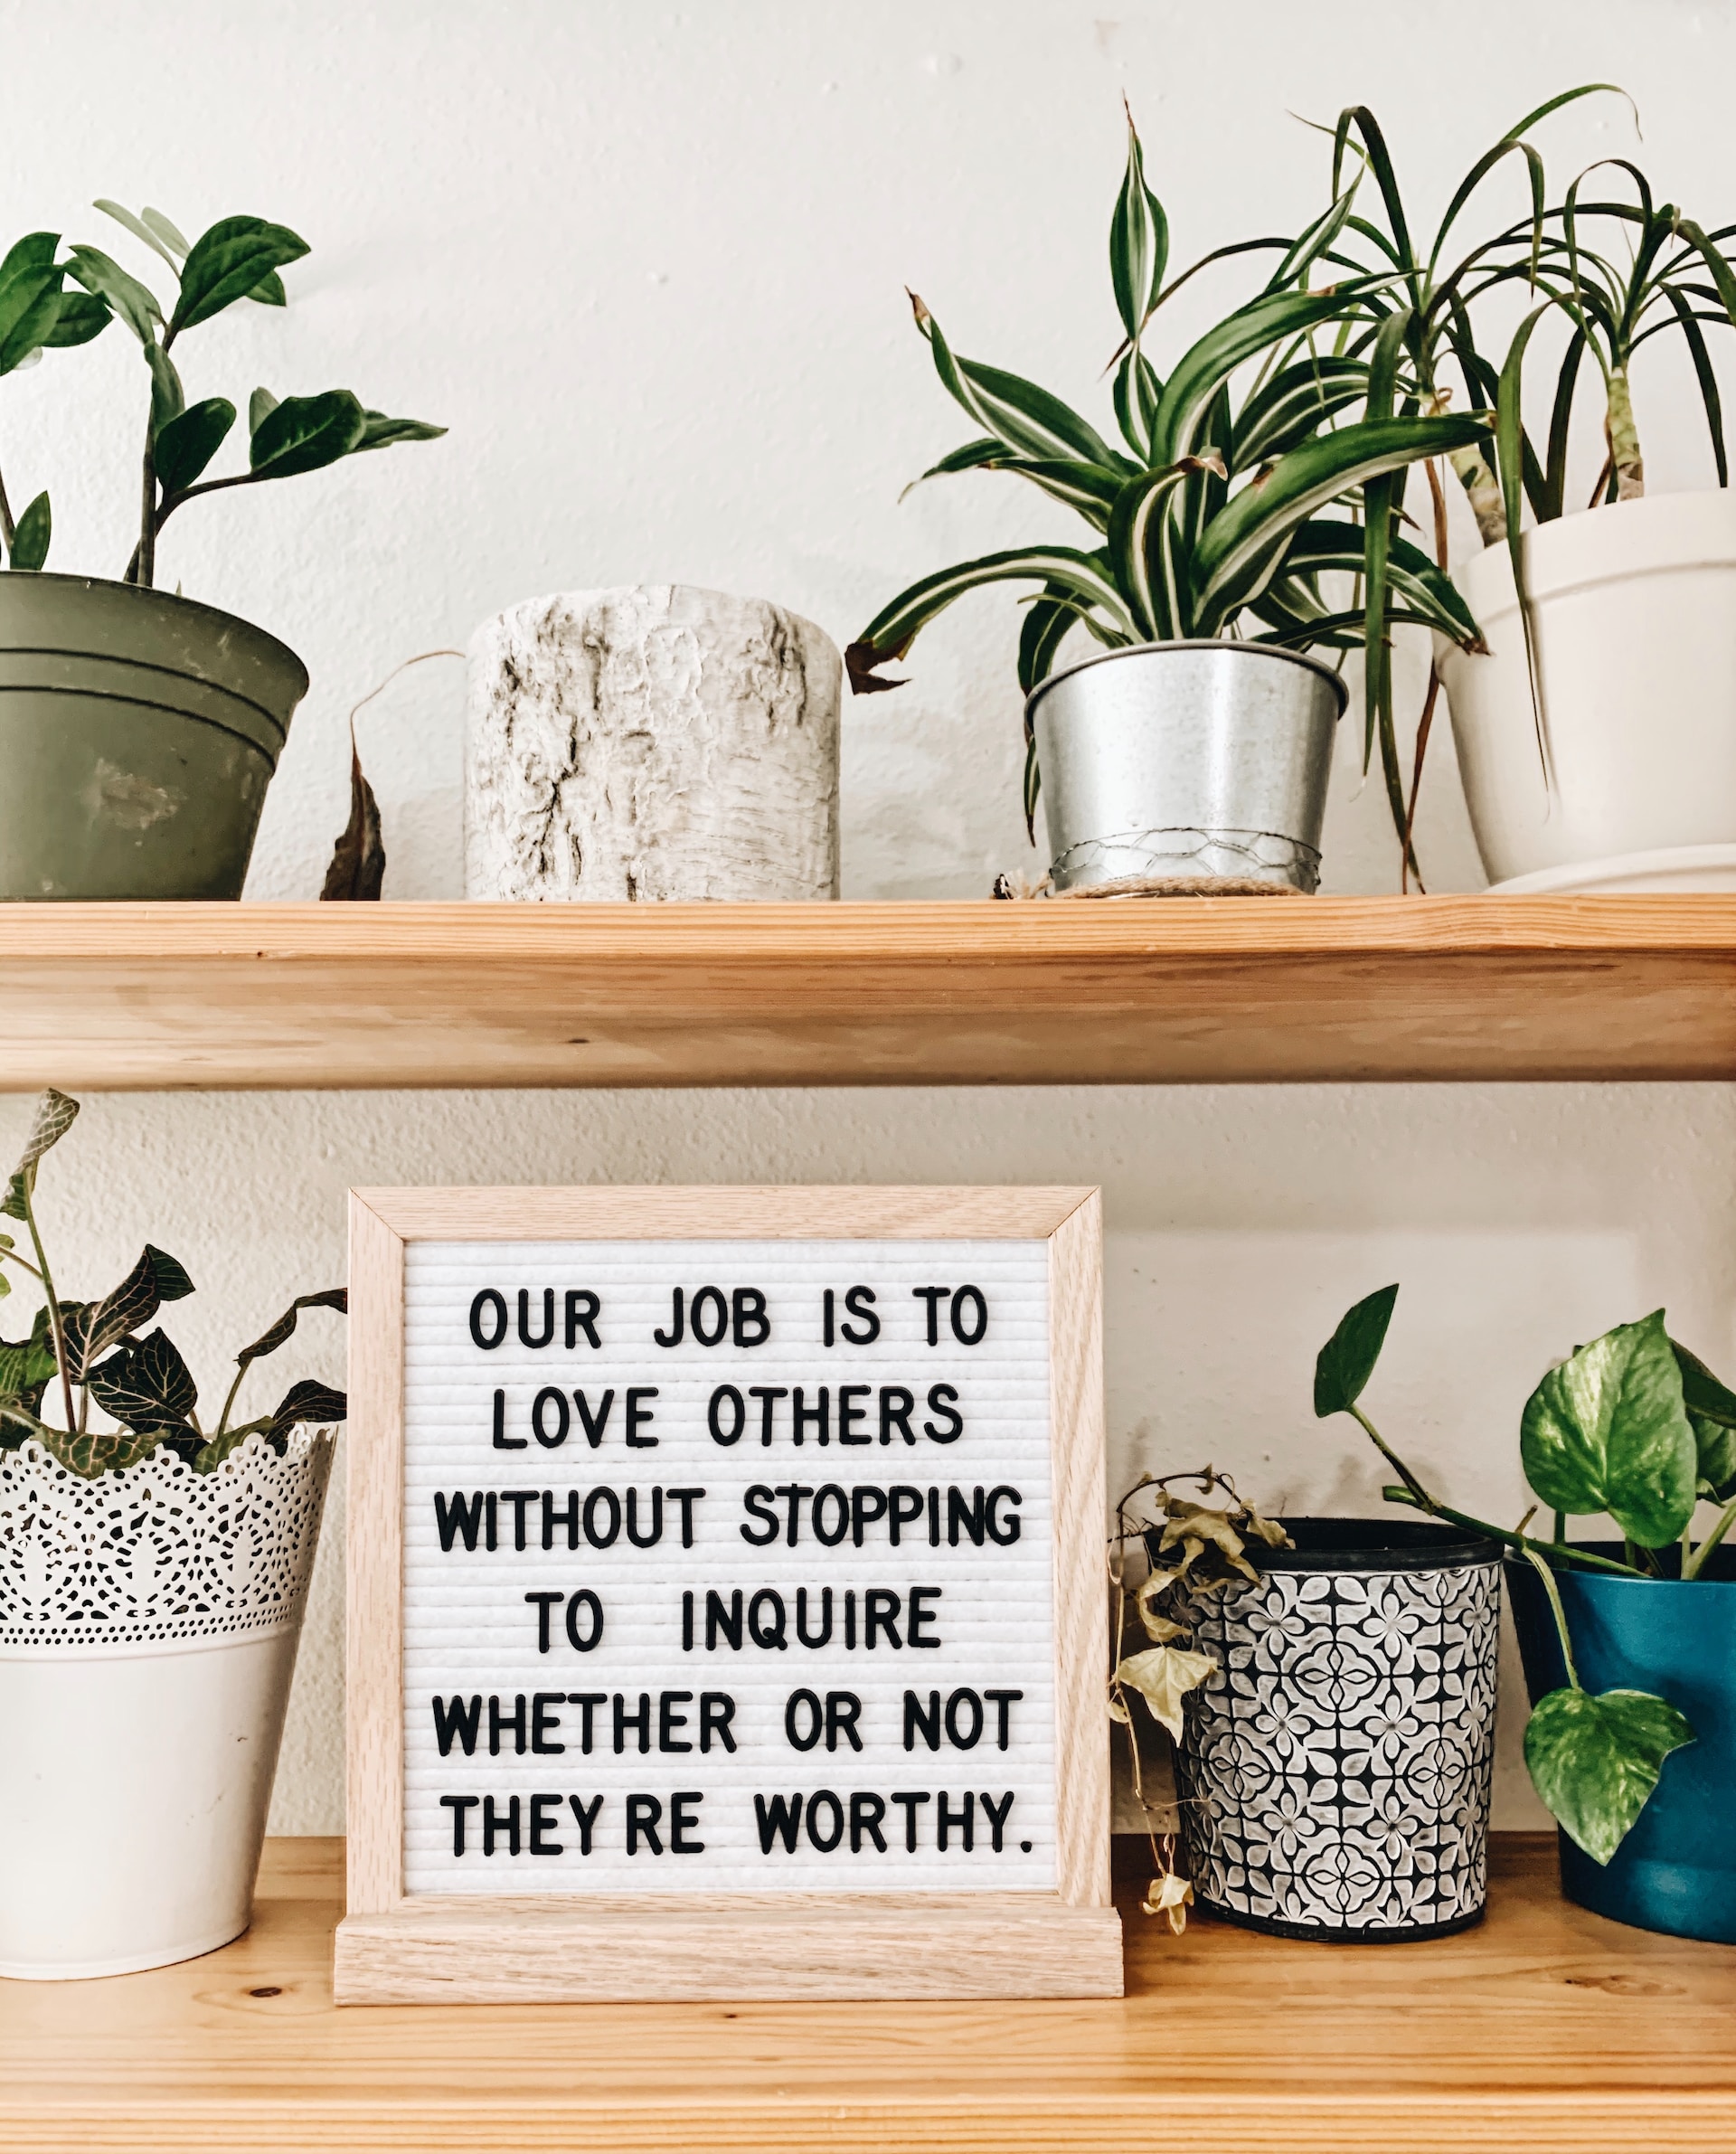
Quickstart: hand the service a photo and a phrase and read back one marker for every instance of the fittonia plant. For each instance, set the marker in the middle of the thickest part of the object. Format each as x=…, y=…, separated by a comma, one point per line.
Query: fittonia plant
x=240, y=258
x=1231, y=506
x=82, y=1355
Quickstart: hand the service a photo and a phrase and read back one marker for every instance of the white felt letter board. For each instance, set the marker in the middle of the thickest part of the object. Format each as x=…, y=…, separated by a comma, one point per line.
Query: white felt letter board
x=726, y=1616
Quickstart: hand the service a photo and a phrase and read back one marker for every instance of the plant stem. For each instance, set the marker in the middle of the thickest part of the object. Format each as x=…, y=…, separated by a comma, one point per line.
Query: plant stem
x=11, y=1256
x=8, y=529
x=146, y=558
x=1560, y=1525
x=223, y=1425
x=56, y=1328
x=1726, y=1519
x=1509, y=1539
x=1393, y=1460
x=1559, y=1612
x=1624, y=439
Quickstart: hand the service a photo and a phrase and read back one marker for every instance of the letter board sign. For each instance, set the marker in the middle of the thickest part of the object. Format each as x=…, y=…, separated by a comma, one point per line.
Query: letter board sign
x=726, y=1613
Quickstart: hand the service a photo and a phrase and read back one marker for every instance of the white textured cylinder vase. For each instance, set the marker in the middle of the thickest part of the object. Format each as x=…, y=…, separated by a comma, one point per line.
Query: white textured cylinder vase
x=656, y=742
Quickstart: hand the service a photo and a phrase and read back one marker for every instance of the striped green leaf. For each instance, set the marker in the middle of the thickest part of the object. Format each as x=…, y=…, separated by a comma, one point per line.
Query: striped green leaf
x=1143, y=550
x=1026, y=419
x=1138, y=242
x=1063, y=569
x=1137, y=394
x=1207, y=365
x=1295, y=404
x=1245, y=544
x=1322, y=546
x=1314, y=242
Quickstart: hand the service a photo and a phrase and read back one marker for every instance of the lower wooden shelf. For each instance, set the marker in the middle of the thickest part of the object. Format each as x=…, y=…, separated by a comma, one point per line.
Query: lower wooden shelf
x=1544, y=2028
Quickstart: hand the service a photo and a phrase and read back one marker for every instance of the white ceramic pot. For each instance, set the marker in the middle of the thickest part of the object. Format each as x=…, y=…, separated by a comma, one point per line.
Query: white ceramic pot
x=148, y=1624
x=1634, y=612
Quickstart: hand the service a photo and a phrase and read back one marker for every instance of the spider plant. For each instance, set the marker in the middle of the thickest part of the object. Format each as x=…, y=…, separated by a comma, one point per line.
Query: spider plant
x=1415, y=322
x=1236, y=486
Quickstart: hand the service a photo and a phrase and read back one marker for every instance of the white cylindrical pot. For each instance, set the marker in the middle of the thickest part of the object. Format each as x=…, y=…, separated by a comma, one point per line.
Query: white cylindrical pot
x=148, y=1624
x=1186, y=764
x=656, y=742
x=1634, y=616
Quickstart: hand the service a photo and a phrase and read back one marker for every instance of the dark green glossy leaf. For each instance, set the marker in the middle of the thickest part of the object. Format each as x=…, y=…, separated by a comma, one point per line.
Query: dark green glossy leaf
x=30, y=540
x=188, y=443
x=1346, y=1361
x=1594, y=1761
x=29, y=297
x=82, y=317
x=27, y=1365
x=306, y=433
x=128, y=297
x=1712, y=1413
x=168, y=399
x=270, y=292
x=1608, y=1431
x=98, y=1451
x=378, y=432
x=154, y=1279
x=313, y=1404
x=227, y=262
x=146, y=1385
x=271, y=1339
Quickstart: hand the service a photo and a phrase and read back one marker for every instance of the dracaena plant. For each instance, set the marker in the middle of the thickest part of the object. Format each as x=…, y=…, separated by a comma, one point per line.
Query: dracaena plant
x=238, y=258
x=97, y=1355
x=1633, y=1427
x=1236, y=488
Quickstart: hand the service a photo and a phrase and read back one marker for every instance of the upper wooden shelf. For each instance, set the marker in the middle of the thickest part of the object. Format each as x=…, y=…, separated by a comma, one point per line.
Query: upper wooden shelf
x=1545, y=2029
x=150, y=996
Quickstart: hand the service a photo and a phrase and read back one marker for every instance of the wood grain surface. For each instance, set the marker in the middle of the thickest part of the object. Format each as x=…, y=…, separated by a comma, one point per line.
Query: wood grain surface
x=1546, y=2029
x=145, y=997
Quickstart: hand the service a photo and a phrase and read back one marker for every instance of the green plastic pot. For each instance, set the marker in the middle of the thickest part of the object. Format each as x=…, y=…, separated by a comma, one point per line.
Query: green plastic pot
x=138, y=733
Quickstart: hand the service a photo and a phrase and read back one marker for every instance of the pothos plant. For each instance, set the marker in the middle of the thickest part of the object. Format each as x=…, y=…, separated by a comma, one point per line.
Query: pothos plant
x=238, y=258
x=82, y=1355
x=1633, y=1427
x=1238, y=484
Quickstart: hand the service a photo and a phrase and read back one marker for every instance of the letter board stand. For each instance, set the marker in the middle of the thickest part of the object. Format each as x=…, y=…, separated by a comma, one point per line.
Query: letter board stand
x=726, y=1613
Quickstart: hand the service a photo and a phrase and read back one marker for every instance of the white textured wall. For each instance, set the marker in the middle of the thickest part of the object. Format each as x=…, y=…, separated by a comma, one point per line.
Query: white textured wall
x=646, y=264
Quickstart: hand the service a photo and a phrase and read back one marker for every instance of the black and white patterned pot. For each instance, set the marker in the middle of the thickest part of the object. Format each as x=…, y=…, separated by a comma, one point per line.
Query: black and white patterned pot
x=1336, y=1772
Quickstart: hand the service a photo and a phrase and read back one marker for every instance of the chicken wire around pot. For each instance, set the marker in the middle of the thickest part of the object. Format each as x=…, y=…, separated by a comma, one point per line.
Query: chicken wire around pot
x=1335, y=1775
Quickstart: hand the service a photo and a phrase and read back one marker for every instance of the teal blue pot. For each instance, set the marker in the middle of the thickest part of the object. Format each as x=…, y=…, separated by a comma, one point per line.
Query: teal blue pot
x=1676, y=1869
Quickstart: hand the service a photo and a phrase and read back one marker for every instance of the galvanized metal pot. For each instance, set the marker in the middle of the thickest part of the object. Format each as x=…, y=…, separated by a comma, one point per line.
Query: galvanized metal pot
x=1177, y=761
x=138, y=733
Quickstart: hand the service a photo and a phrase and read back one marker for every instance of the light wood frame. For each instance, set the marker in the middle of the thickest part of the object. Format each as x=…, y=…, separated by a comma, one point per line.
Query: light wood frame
x=393, y=1948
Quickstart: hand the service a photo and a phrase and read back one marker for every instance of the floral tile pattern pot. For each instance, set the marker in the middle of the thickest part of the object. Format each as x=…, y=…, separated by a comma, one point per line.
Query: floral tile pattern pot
x=1335, y=1774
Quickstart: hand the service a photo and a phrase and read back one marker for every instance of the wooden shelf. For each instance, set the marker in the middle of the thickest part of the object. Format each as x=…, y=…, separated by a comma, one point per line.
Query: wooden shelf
x=1545, y=2028
x=154, y=996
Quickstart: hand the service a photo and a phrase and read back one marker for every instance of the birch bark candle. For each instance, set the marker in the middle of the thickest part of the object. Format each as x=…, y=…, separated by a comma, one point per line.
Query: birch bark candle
x=655, y=743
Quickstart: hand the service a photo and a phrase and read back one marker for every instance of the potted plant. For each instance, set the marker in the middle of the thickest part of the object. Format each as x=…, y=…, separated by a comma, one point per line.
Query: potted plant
x=1629, y=1643
x=138, y=730
x=1616, y=607
x=153, y=1573
x=1195, y=747
x=1332, y=1712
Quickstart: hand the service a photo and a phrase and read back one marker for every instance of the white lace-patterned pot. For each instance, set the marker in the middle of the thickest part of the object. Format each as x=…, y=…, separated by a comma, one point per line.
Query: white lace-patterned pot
x=148, y=1623
x=1336, y=1773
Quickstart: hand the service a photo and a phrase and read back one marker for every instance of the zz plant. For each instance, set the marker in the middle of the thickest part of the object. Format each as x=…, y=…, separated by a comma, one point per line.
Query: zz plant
x=1633, y=1427
x=1237, y=485
x=88, y=1354
x=238, y=258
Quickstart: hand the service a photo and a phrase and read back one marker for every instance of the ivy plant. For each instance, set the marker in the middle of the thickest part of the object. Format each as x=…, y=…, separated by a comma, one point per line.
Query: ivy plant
x=1238, y=485
x=1632, y=1427
x=48, y=298
x=82, y=1357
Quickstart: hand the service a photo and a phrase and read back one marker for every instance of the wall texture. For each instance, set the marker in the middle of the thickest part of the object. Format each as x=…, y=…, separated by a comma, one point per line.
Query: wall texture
x=646, y=264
